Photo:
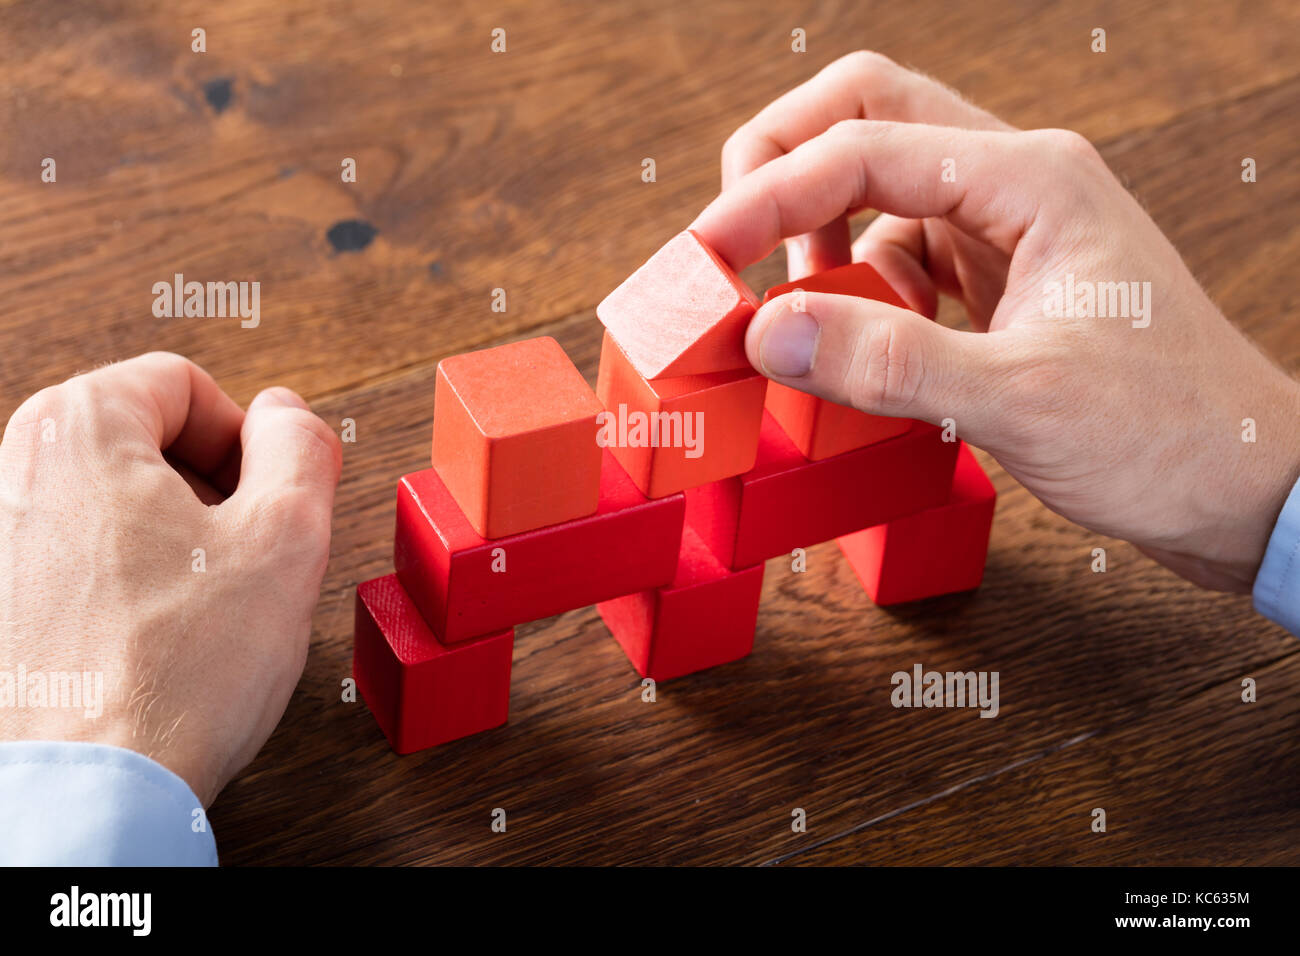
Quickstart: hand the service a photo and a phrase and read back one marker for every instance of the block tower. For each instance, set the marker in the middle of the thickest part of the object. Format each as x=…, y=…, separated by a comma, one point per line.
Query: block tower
x=657, y=498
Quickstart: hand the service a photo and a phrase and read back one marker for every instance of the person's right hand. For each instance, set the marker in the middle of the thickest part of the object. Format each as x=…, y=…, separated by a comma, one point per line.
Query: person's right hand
x=1132, y=427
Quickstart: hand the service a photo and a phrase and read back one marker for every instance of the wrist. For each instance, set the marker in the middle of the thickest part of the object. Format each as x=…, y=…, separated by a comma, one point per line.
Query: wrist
x=1267, y=466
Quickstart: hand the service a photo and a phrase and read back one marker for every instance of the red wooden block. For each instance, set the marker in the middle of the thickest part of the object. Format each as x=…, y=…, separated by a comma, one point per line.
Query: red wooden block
x=704, y=618
x=684, y=312
x=514, y=437
x=820, y=428
x=676, y=433
x=856, y=279
x=466, y=585
x=937, y=551
x=421, y=692
x=786, y=501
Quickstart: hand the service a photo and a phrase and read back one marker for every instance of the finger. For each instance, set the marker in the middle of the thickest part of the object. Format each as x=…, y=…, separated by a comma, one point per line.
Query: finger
x=862, y=85
x=825, y=248
x=167, y=402
x=920, y=258
x=877, y=358
x=289, y=470
x=896, y=248
x=896, y=168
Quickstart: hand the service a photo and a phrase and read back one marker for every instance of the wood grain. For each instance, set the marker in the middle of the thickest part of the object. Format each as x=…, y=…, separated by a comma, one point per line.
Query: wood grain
x=522, y=171
x=1171, y=784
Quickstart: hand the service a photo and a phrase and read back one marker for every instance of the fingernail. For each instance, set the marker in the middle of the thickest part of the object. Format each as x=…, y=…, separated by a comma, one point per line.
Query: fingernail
x=277, y=397
x=789, y=344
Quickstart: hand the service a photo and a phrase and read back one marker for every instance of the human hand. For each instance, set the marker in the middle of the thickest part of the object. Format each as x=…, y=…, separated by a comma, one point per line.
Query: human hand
x=1131, y=426
x=109, y=483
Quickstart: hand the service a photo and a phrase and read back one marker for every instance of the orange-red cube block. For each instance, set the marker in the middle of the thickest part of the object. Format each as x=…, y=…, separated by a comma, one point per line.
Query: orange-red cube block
x=820, y=428
x=857, y=279
x=514, y=437
x=421, y=692
x=706, y=617
x=670, y=434
x=684, y=312
x=938, y=551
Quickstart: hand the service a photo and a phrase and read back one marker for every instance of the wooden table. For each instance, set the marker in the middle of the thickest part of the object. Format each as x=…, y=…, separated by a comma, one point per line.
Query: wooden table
x=523, y=171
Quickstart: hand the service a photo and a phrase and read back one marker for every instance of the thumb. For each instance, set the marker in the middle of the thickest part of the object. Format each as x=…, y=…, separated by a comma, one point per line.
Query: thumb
x=290, y=468
x=874, y=357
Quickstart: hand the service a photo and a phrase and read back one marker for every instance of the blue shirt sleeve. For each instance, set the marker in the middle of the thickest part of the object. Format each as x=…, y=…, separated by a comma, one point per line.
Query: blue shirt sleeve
x=80, y=804
x=1277, y=586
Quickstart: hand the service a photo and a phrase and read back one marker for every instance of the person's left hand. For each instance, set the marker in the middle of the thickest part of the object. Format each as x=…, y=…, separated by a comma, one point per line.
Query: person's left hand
x=122, y=556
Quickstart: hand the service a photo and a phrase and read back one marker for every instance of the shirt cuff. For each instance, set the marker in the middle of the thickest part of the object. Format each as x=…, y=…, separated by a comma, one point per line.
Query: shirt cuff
x=1277, y=586
x=81, y=804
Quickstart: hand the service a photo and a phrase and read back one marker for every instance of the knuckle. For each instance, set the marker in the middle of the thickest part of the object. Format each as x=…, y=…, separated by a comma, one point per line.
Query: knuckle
x=1066, y=143
x=736, y=143
x=164, y=358
x=886, y=369
x=315, y=439
x=94, y=401
x=848, y=128
x=100, y=409
x=37, y=406
x=89, y=390
x=1071, y=167
x=303, y=440
x=867, y=66
x=59, y=404
x=22, y=434
x=881, y=84
x=147, y=364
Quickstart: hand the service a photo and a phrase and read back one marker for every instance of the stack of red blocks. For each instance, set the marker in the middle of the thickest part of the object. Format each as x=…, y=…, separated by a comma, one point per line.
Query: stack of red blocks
x=657, y=498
